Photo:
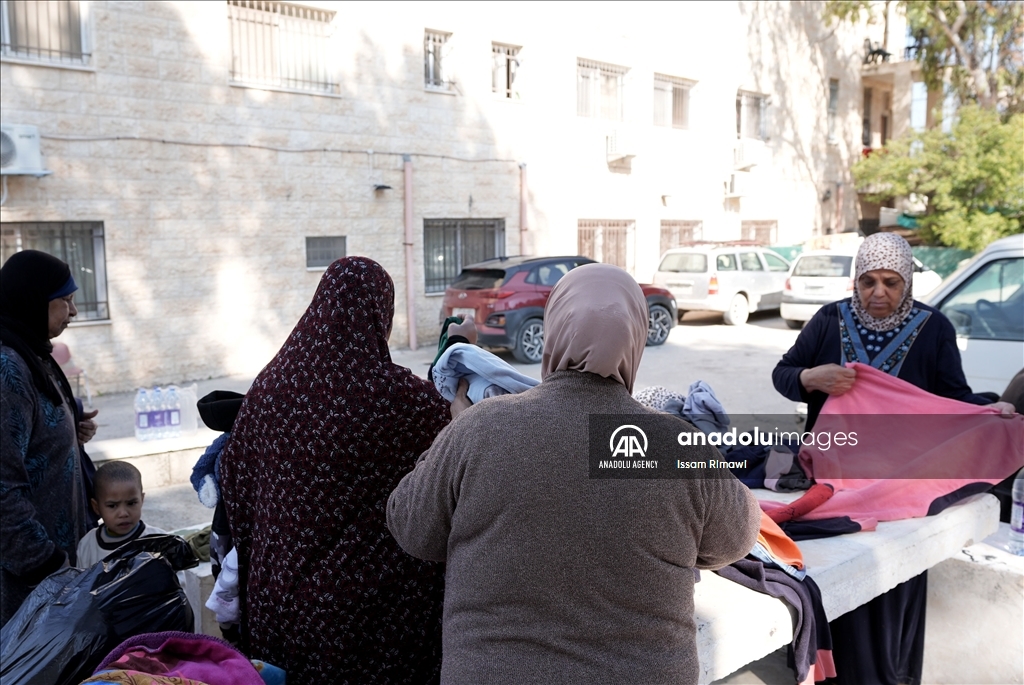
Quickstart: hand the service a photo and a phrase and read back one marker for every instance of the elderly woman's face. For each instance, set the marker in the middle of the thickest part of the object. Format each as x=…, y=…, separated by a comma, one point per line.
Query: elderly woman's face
x=880, y=292
x=61, y=311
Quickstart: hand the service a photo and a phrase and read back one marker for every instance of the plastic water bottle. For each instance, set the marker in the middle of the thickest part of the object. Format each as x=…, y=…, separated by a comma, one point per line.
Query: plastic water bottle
x=172, y=412
x=1017, y=516
x=143, y=431
x=156, y=413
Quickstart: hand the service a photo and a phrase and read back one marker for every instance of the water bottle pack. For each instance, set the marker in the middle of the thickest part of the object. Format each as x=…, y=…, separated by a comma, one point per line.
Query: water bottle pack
x=158, y=413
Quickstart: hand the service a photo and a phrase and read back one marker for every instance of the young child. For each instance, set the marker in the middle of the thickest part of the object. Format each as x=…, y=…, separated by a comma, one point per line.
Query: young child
x=118, y=501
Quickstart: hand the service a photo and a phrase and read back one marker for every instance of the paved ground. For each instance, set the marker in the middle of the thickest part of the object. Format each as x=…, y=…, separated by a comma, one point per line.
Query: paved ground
x=736, y=362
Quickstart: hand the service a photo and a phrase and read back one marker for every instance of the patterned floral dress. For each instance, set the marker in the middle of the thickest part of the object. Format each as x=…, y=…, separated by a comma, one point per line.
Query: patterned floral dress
x=324, y=435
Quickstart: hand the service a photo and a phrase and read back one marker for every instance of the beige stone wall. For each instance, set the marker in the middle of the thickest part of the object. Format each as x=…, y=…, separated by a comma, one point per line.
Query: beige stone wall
x=207, y=190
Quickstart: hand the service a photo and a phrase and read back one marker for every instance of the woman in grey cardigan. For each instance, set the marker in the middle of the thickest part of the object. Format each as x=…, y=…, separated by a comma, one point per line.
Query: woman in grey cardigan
x=554, y=577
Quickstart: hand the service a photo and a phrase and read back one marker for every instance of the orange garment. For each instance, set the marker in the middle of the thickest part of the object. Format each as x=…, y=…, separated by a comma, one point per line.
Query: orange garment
x=778, y=544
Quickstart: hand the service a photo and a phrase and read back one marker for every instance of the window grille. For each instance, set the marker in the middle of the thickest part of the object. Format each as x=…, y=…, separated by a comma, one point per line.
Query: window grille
x=833, y=107
x=751, y=116
x=322, y=252
x=434, y=49
x=761, y=232
x=49, y=31
x=866, y=131
x=675, y=233
x=451, y=244
x=281, y=45
x=605, y=241
x=503, y=69
x=600, y=90
x=79, y=243
x=671, y=101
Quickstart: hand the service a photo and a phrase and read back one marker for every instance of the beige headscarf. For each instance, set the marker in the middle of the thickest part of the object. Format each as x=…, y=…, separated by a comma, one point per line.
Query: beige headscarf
x=885, y=251
x=595, y=321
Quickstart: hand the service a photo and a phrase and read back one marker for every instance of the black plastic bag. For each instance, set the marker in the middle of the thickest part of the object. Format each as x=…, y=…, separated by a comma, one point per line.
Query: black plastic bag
x=75, y=617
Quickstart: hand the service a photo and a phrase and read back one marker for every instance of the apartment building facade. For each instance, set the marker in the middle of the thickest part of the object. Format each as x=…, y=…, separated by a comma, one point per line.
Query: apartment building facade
x=206, y=160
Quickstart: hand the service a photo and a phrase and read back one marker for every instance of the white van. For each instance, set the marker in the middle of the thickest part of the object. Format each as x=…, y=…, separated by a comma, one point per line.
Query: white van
x=984, y=299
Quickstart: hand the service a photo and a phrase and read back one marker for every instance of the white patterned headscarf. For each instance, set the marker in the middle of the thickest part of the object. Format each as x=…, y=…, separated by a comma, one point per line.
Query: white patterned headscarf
x=885, y=251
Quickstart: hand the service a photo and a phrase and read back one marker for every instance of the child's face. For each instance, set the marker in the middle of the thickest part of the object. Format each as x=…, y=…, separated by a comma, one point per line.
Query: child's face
x=119, y=505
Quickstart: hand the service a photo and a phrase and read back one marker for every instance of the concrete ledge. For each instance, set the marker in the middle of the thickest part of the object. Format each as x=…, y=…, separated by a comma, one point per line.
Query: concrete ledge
x=737, y=626
x=161, y=462
x=976, y=617
x=198, y=588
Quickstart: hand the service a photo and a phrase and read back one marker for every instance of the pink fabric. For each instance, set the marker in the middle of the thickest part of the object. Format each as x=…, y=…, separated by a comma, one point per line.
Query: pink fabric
x=824, y=667
x=192, y=657
x=904, y=462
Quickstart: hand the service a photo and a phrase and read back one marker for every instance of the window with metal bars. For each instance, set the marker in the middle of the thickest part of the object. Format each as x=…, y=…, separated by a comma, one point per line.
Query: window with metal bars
x=451, y=244
x=671, y=101
x=605, y=241
x=321, y=252
x=505, y=62
x=751, y=116
x=281, y=45
x=52, y=31
x=600, y=90
x=435, y=48
x=761, y=232
x=79, y=243
x=675, y=232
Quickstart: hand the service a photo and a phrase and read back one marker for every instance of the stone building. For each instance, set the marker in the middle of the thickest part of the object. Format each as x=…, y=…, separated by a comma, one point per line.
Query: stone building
x=207, y=159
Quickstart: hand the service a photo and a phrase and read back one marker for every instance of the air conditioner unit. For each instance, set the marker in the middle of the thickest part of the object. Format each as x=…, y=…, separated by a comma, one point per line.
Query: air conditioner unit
x=747, y=153
x=736, y=186
x=19, y=151
x=620, y=146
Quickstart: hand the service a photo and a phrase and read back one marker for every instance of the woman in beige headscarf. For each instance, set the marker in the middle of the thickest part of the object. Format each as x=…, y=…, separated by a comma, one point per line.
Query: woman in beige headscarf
x=544, y=564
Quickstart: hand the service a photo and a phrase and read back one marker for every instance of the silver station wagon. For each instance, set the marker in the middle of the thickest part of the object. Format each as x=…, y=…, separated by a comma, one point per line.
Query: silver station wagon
x=732, y=278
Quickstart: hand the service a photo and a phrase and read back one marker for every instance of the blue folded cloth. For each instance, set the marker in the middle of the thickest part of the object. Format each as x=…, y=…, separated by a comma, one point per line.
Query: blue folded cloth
x=487, y=374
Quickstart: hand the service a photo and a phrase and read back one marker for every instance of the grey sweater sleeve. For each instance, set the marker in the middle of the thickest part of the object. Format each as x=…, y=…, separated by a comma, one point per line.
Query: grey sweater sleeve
x=420, y=509
x=732, y=520
x=25, y=546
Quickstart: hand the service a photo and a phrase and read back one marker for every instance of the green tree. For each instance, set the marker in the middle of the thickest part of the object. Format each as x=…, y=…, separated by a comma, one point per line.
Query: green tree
x=972, y=177
x=975, y=47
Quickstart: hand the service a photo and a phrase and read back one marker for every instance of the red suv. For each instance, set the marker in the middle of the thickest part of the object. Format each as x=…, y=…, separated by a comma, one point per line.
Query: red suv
x=506, y=298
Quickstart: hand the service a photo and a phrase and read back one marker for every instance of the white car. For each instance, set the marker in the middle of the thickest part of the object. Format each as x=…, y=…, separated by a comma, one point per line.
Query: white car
x=984, y=299
x=822, y=276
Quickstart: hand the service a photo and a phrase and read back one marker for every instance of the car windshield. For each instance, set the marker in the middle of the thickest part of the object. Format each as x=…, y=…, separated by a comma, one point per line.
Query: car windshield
x=478, y=279
x=684, y=262
x=823, y=265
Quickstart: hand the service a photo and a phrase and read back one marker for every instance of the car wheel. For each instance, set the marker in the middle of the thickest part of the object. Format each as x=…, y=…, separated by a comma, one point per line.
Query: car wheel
x=530, y=342
x=659, y=323
x=794, y=324
x=738, y=312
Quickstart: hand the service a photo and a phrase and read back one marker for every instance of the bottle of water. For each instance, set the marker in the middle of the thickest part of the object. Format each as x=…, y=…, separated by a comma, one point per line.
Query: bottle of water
x=143, y=431
x=172, y=412
x=156, y=413
x=1017, y=516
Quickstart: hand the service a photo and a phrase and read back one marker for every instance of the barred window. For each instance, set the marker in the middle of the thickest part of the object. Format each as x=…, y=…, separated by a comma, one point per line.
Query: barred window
x=833, y=108
x=600, y=90
x=46, y=31
x=605, y=241
x=671, y=101
x=321, y=252
x=505, y=62
x=281, y=45
x=79, y=243
x=451, y=244
x=751, y=116
x=675, y=233
x=435, y=47
x=761, y=232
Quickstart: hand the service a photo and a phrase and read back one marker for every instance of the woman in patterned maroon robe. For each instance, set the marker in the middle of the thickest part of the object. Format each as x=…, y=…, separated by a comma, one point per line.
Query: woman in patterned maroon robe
x=324, y=435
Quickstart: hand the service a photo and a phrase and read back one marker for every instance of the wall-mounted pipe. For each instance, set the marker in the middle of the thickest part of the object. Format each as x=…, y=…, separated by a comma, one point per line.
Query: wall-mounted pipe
x=523, y=191
x=410, y=275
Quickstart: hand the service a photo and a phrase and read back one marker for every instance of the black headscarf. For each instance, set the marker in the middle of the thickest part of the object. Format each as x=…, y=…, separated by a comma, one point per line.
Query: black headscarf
x=28, y=281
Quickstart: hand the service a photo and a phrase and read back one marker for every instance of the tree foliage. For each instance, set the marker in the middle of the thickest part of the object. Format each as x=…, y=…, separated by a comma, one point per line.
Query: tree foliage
x=976, y=47
x=971, y=177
